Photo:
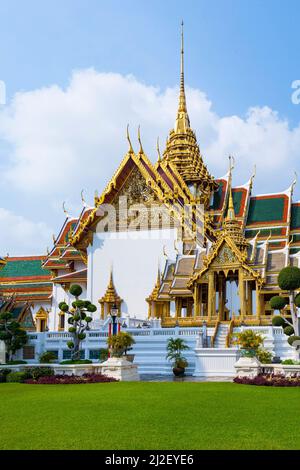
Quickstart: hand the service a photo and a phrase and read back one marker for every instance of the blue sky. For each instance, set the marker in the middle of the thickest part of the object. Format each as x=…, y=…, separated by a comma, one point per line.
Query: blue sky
x=239, y=55
x=241, y=52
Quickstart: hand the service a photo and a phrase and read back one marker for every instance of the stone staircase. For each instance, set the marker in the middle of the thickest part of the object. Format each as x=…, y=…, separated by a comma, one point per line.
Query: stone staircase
x=222, y=332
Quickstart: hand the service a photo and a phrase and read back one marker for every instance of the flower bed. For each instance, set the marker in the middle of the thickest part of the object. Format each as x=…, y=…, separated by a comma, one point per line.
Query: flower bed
x=269, y=380
x=70, y=379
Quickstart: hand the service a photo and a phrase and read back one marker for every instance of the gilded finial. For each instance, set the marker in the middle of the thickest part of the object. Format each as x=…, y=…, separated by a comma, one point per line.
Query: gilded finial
x=175, y=247
x=53, y=238
x=141, y=151
x=231, y=164
x=158, y=150
x=82, y=198
x=64, y=209
x=253, y=175
x=164, y=252
x=294, y=182
x=129, y=141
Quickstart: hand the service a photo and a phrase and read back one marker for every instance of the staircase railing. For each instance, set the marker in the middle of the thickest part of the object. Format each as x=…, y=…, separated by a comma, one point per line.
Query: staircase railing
x=229, y=334
x=215, y=333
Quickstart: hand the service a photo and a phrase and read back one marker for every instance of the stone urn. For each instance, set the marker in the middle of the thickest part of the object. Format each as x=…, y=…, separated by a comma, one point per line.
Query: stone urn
x=247, y=367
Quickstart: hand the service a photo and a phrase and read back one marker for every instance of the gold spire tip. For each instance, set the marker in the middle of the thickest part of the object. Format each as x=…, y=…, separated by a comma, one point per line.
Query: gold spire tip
x=129, y=141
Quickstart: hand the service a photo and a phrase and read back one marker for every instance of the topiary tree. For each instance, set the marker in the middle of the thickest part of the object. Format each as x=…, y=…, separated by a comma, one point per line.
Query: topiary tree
x=13, y=335
x=288, y=280
x=79, y=320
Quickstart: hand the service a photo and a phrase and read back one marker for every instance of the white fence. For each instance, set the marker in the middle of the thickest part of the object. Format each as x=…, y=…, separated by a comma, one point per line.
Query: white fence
x=150, y=346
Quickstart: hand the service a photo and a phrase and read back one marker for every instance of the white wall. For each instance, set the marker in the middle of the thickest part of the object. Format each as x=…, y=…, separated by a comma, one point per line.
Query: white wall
x=134, y=257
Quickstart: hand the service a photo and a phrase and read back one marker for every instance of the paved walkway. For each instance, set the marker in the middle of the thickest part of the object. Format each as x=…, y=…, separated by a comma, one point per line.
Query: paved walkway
x=186, y=378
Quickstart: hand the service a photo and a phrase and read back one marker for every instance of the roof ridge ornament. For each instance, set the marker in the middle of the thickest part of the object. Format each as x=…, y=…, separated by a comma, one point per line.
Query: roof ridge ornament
x=141, y=151
x=294, y=182
x=65, y=210
x=82, y=198
x=131, y=151
x=158, y=150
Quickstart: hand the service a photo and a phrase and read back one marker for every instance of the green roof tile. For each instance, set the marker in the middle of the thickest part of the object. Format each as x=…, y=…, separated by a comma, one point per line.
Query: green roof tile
x=269, y=209
x=23, y=268
x=218, y=195
x=295, y=217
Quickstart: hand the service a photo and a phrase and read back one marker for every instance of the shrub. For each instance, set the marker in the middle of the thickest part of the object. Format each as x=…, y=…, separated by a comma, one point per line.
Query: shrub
x=37, y=372
x=47, y=357
x=278, y=303
x=120, y=343
x=3, y=374
x=297, y=300
x=264, y=356
x=18, y=377
x=71, y=379
x=288, y=330
x=75, y=290
x=277, y=320
x=292, y=339
x=290, y=362
x=103, y=354
x=249, y=340
x=289, y=278
x=63, y=306
x=12, y=363
x=269, y=381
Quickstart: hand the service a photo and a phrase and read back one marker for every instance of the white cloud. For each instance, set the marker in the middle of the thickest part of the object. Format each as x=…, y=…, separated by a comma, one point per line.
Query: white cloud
x=63, y=140
x=20, y=236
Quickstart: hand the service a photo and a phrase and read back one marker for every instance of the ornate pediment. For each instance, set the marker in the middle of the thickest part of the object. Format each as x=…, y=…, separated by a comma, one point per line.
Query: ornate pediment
x=225, y=256
x=136, y=190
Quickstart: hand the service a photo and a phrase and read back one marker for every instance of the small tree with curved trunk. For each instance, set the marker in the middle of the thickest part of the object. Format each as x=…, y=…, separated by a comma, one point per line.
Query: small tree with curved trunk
x=79, y=320
x=13, y=335
x=288, y=280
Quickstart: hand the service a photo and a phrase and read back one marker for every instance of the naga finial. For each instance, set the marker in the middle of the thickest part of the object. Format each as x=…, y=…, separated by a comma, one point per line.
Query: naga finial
x=64, y=209
x=158, y=150
x=141, y=151
x=82, y=198
x=129, y=141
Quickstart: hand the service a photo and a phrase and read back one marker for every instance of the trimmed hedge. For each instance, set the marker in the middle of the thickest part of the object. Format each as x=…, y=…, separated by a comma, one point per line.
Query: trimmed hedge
x=18, y=377
x=288, y=330
x=278, y=321
x=289, y=278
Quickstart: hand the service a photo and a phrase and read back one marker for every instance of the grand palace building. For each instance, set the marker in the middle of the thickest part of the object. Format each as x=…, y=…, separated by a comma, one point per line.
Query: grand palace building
x=163, y=240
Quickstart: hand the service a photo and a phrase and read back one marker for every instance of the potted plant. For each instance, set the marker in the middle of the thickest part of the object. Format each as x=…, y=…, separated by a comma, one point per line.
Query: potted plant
x=249, y=342
x=120, y=344
x=174, y=354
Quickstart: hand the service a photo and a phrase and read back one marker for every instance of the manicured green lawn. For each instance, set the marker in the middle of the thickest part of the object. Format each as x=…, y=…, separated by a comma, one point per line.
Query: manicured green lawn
x=149, y=416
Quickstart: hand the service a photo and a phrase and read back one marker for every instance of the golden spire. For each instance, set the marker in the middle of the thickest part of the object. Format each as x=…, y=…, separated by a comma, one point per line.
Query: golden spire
x=182, y=120
x=230, y=210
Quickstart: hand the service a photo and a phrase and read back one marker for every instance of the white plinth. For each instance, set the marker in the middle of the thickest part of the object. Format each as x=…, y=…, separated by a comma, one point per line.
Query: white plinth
x=2, y=352
x=247, y=367
x=215, y=362
x=120, y=369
